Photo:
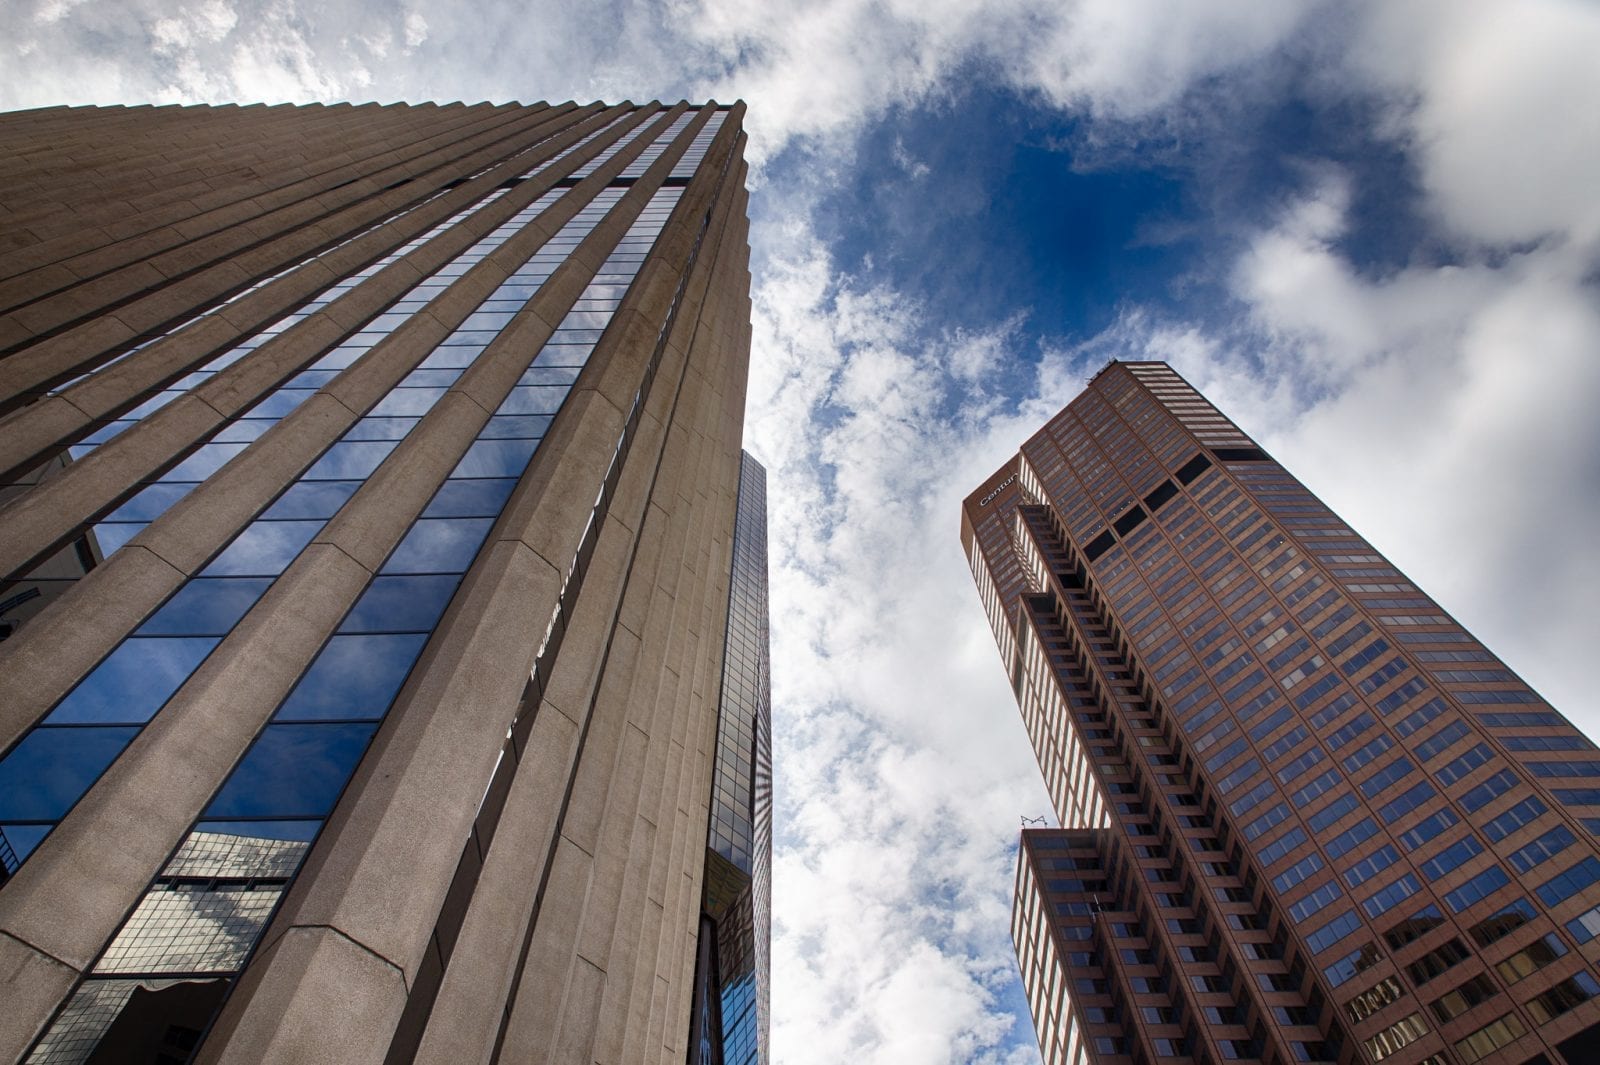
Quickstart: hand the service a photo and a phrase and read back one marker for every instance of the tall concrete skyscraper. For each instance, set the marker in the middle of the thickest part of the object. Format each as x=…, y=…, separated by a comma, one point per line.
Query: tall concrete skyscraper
x=371, y=478
x=1305, y=816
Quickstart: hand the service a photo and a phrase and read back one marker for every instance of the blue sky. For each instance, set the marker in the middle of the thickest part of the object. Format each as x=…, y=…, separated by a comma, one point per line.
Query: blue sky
x=1369, y=230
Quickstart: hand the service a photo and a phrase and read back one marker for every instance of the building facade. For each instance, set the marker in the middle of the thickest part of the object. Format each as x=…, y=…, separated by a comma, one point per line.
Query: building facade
x=1305, y=816
x=732, y=985
x=368, y=487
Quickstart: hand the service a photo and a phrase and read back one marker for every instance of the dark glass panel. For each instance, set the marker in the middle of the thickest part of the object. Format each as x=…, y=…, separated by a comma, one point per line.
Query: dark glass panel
x=495, y=458
x=401, y=604
x=438, y=545
x=151, y=502
x=206, y=606
x=312, y=499
x=17, y=842
x=263, y=549
x=133, y=681
x=470, y=499
x=381, y=428
x=292, y=771
x=355, y=676
x=52, y=767
x=513, y=426
x=349, y=460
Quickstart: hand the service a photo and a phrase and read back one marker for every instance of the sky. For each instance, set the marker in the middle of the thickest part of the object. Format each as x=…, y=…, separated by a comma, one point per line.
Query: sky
x=1369, y=231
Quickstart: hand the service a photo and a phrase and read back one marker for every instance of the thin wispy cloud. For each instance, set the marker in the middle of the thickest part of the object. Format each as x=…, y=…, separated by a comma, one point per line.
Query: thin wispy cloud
x=1368, y=230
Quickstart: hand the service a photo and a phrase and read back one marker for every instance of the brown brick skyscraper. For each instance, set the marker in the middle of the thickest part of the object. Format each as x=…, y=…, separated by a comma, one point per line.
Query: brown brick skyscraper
x=1306, y=816
x=369, y=494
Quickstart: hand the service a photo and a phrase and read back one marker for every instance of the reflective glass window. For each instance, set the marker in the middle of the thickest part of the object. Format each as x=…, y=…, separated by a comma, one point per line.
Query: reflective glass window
x=133, y=682
x=206, y=606
x=407, y=401
x=533, y=399
x=495, y=458
x=401, y=604
x=205, y=461
x=347, y=460
x=312, y=499
x=515, y=425
x=292, y=771
x=381, y=428
x=151, y=502
x=354, y=677
x=438, y=545
x=470, y=499
x=52, y=767
x=111, y=535
x=263, y=549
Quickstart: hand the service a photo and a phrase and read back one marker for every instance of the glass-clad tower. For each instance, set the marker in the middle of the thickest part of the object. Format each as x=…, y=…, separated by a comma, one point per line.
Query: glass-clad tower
x=732, y=981
x=1305, y=816
x=368, y=483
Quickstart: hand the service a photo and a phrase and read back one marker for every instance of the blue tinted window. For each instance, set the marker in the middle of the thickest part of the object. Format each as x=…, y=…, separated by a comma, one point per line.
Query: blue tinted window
x=312, y=499
x=470, y=499
x=533, y=399
x=243, y=430
x=549, y=375
x=349, y=460
x=52, y=767
x=353, y=677
x=503, y=426
x=401, y=604
x=22, y=839
x=204, y=462
x=111, y=535
x=292, y=771
x=438, y=545
x=206, y=606
x=151, y=502
x=133, y=682
x=495, y=458
x=263, y=549
x=381, y=428
x=407, y=401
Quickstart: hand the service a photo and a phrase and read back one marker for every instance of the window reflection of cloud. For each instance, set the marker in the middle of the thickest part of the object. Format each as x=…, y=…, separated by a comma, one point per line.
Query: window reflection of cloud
x=353, y=677
x=439, y=545
x=533, y=399
x=401, y=604
x=151, y=502
x=292, y=771
x=470, y=498
x=263, y=549
x=312, y=499
x=206, y=606
x=133, y=681
x=495, y=458
x=352, y=460
x=204, y=462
